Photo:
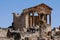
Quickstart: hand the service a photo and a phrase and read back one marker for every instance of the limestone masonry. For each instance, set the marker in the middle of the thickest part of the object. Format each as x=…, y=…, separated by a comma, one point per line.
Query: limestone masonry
x=33, y=23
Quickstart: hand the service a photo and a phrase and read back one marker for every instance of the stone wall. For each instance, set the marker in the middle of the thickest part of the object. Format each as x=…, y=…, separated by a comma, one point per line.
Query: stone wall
x=19, y=21
x=5, y=38
x=3, y=32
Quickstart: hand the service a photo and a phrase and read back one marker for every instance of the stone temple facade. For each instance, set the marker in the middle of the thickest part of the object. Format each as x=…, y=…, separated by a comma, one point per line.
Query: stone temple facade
x=32, y=24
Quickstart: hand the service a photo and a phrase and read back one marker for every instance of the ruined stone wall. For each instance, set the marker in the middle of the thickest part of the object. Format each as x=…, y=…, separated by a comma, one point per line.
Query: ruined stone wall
x=3, y=32
x=5, y=38
x=19, y=21
x=48, y=28
x=16, y=20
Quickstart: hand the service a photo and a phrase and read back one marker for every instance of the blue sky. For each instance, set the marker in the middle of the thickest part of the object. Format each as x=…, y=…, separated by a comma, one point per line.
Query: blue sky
x=7, y=7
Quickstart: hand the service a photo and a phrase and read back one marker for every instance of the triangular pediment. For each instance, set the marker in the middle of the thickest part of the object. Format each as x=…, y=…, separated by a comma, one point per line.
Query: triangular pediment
x=39, y=8
x=44, y=6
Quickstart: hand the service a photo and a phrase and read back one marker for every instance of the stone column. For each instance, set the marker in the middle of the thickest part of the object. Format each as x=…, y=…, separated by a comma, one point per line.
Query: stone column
x=45, y=18
x=33, y=20
x=29, y=18
x=39, y=16
x=50, y=19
